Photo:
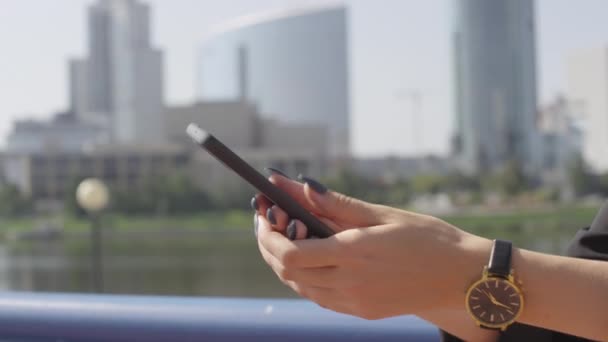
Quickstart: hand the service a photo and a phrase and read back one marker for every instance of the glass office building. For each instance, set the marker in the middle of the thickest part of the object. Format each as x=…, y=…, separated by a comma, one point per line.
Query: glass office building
x=495, y=76
x=292, y=64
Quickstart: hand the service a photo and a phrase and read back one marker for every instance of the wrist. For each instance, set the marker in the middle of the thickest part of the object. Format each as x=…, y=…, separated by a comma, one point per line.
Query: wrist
x=464, y=265
x=471, y=257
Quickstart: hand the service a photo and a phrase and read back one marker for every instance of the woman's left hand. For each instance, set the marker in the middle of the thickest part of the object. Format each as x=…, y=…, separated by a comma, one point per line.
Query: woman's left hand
x=393, y=262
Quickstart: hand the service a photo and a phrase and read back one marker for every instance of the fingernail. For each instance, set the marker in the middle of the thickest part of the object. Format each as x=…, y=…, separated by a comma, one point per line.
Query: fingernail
x=255, y=225
x=291, y=230
x=254, y=204
x=270, y=216
x=316, y=186
x=272, y=171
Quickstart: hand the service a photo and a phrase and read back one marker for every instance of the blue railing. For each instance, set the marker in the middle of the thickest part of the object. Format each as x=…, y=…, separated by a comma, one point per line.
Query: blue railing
x=28, y=317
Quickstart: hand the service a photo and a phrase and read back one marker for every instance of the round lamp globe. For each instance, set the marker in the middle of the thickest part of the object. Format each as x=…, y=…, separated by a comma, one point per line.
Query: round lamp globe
x=92, y=195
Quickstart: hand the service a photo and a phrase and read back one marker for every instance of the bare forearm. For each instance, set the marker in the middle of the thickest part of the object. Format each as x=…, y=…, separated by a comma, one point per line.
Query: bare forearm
x=562, y=294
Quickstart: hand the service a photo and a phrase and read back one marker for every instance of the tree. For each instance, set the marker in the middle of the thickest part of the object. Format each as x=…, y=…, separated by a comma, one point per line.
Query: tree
x=428, y=184
x=510, y=180
x=395, y=192
x=582, y=179
x=13, y=202
x=460, y=181
x=71, y=206
x=173, y=195
x=603, y=183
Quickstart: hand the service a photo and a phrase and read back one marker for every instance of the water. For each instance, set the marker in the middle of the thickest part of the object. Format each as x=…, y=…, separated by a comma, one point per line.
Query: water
x=162, y=262
x=174, y=262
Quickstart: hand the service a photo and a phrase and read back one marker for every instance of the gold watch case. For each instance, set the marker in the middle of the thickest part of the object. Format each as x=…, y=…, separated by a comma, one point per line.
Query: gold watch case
x=494, y=302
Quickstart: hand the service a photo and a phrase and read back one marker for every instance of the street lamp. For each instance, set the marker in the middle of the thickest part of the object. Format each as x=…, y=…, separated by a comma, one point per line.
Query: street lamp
x=93, y=196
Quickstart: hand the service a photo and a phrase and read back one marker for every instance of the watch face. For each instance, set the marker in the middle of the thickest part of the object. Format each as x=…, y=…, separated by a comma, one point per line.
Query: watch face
x=494, y=302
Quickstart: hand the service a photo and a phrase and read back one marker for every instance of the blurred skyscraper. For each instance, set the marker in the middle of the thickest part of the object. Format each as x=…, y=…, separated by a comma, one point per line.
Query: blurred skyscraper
x=495, y=84
x=588, y=89
x=120, y=83
x=561, y=143
x=293, y=65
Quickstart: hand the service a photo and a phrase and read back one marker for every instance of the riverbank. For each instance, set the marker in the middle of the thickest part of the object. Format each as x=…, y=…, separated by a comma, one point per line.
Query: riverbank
x=536, y=220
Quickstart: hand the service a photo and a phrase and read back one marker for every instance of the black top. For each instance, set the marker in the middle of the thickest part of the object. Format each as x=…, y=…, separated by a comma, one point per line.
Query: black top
x=588, y=243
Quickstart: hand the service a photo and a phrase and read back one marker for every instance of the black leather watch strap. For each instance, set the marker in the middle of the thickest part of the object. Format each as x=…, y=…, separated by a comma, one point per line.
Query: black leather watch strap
x=500, y=258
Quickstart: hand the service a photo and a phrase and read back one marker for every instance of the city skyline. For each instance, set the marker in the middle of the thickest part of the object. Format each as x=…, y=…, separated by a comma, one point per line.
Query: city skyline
x=380, y=118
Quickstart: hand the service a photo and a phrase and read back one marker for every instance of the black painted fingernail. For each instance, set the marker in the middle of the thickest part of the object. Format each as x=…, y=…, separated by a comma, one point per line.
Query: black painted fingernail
x=316, y=186
x=255, y=224
x=272, y=171
x=270, y=216
x=254, y=204
x=292, y=232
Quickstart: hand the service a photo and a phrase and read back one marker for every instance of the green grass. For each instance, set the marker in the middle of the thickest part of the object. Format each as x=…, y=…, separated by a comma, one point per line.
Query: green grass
x=558, y=217
x=554, y=217
x=238, y=219
x=547, y=230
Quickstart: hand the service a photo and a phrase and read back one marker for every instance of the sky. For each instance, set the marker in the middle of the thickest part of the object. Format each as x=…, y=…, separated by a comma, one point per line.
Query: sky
x=396, y=47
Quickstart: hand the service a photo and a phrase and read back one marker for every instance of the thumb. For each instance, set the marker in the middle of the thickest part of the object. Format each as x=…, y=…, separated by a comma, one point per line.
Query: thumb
x=340, y=207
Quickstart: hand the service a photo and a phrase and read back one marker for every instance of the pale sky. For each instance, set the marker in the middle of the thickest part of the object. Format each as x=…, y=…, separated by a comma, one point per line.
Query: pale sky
x=396, y=46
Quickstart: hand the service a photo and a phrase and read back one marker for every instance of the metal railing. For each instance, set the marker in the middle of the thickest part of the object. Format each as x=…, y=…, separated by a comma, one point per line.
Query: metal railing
x=28, y=317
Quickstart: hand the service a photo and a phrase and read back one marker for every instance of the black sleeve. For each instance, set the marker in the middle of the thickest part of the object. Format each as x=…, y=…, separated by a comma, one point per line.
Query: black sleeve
x=592, y=242
x=445, y=337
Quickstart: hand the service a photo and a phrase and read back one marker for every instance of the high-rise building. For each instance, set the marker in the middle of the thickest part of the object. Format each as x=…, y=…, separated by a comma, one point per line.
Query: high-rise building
x=495, y=85
x=588, y=90
x=292, y=65
x=120, y=83
x=561, y=142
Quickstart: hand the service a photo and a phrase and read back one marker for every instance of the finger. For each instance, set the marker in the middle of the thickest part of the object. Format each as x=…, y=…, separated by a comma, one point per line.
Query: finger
x=278, y=218
x=342, y=208
x=275, y=265
x=330, y=204
x=274, y=171
x=260, y=203
x=294, y=189
x=328, y=298
x=302, y=253
x=317, y=277
x=296, y=230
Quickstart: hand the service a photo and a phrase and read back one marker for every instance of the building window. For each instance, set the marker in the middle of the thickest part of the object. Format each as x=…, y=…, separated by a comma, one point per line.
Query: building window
x=39, y=162
x=110, y=168
x=133, y=163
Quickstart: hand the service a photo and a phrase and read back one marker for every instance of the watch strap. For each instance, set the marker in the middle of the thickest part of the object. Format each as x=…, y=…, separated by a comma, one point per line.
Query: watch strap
x=500, y=258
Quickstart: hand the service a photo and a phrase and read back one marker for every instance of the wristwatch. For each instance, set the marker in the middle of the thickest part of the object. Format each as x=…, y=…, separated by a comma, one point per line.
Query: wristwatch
x=495, y=301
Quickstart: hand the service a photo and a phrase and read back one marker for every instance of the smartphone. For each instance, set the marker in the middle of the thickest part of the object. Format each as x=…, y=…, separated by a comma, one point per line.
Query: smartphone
x=231, y=160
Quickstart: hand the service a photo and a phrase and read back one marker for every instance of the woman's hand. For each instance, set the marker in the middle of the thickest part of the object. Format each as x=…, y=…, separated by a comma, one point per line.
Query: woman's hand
x=384, y=262
x=381, y=262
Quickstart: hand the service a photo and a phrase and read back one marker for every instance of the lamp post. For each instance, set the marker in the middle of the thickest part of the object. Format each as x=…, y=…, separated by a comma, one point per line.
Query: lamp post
x=93, y=196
